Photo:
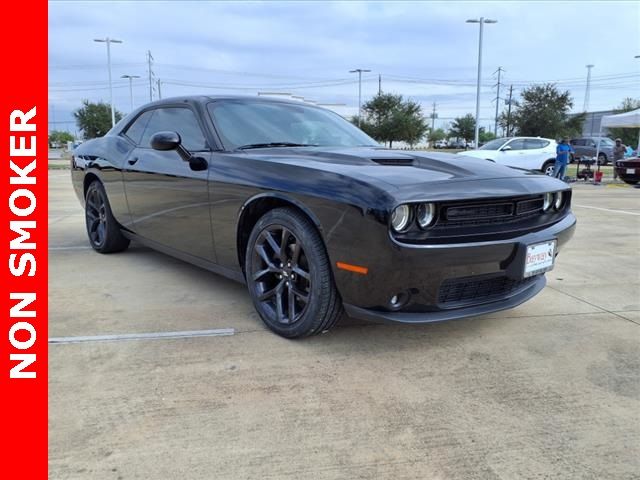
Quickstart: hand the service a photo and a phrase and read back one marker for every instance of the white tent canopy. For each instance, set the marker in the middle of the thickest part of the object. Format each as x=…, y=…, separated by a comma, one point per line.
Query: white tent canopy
x=628, y=119
x=621, y=120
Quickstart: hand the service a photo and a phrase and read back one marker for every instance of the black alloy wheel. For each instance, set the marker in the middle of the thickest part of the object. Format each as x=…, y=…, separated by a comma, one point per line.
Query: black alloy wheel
x=96, y=212
x=103, y=230
x=289, y=277
x=281, y=274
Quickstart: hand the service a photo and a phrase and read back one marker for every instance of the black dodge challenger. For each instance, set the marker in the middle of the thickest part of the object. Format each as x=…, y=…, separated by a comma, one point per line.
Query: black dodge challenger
x=315, y=217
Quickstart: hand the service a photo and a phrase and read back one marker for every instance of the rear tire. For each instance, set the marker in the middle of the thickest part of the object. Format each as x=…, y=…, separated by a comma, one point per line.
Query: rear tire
x=549, y=168
x=103, y=230
x=289, y=276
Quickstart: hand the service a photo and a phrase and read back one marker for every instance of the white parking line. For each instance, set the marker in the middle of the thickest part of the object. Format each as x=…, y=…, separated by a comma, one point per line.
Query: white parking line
x=606, y=209
x=219, y=332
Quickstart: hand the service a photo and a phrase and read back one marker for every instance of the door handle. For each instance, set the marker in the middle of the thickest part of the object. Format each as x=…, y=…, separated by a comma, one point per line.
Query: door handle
x=132, y=161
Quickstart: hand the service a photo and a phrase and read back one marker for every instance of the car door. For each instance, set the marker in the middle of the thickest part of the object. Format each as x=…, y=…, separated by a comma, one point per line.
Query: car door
x=579, y=147
x=537, y=153
x=511, y=153
x=168, y=201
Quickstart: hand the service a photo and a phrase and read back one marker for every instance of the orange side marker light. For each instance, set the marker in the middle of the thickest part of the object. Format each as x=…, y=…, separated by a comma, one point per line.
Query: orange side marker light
x=352, y=268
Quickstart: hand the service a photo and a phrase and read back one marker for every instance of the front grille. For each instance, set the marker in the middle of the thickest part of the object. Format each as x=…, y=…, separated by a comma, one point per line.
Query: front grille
x=479, y=211
x=475, y=290
x=487, y=213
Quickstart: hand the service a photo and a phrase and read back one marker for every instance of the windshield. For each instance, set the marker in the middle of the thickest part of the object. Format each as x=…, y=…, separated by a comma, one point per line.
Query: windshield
x=606, y=142
x=258, y=124
x=494, y=144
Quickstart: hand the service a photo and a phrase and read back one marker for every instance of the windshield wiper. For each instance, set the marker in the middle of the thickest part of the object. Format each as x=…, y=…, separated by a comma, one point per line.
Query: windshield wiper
x=275, y=144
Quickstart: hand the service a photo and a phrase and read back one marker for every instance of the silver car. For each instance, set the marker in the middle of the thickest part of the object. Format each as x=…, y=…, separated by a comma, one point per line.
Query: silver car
x=587, y=146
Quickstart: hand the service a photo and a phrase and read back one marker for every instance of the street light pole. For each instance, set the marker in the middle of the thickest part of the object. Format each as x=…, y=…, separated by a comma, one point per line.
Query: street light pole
x=109, y=41
x=587, y=91
x=480, y=21
x=130, y=77
x=359, y=71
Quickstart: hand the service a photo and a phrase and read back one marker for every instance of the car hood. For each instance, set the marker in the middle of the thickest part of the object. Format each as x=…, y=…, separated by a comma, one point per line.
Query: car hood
x=391, y=167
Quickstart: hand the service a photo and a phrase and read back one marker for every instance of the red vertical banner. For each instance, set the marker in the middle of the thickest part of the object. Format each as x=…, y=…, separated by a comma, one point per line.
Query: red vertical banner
x=23, y=216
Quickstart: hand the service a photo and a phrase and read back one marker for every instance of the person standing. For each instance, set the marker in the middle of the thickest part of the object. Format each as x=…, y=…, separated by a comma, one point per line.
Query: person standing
x=562, y=158
x=619, y=149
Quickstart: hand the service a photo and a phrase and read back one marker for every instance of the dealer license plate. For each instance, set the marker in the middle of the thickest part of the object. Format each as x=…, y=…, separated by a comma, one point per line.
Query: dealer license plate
x=631, y=171
x=539, y=258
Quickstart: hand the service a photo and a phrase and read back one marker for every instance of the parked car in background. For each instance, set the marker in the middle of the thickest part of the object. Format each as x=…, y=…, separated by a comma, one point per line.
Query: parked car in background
x=314, y=216
x=628, y=170
x=458, y=143
x=440, y=144
x=530, y=153
x=587, y=147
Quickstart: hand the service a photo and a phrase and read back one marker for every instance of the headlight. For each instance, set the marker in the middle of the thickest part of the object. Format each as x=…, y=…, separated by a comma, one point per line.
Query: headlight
x=400, y=217
x=426, y=213
x=548, y=200
x=558, y=199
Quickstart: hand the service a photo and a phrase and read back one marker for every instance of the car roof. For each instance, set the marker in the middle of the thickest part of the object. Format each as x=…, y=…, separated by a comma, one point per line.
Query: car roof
x=208, y=98
x=531, y=138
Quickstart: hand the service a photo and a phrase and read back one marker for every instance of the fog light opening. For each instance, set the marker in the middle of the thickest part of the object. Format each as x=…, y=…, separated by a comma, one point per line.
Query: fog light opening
x=399, y=300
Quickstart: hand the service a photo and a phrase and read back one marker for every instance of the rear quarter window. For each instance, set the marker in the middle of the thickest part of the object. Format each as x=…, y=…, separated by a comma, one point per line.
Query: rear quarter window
x=135, y=130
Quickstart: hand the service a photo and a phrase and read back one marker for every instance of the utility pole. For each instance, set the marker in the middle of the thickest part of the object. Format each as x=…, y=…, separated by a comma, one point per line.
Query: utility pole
x=434, y=115
x=130, y=77
x=109, y=41
x=150, y=71
x=480, y=21
x=359, y=71
x=159, y=91
x=379, y=84
x=495, y=126
x=509, y=111
x=587, y=91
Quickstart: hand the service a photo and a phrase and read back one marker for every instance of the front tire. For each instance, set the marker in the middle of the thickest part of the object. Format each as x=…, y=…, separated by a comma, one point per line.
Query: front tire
x=102, y=228
x=289, y=276
x=549, y=168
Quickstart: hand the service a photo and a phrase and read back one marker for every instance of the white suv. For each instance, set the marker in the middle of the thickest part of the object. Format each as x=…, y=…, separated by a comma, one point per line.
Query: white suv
x=530, y=153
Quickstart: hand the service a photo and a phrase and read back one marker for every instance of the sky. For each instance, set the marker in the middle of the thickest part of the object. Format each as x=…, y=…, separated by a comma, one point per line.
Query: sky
x=422, y=50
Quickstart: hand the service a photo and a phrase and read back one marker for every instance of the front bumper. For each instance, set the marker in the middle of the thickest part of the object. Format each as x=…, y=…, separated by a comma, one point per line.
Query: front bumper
x=420, y=272
x=454, y=314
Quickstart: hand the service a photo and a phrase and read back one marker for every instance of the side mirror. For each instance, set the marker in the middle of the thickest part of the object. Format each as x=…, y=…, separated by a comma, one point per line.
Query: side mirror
x=505, y=149
x=164, y=141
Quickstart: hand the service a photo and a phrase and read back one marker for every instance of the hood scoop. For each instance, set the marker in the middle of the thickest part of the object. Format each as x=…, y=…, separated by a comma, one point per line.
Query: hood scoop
x=397, y=162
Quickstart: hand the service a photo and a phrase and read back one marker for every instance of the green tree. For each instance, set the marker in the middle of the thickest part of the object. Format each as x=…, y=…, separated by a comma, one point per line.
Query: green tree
x=388, y=118
x=543, y=111
x=60, y=137
x=463, y=127
x=629, y=136
x=485, y=136
x=437, y=134
x=94, y=119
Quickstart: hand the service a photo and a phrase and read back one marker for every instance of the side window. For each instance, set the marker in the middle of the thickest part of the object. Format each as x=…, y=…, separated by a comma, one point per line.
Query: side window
x=534, y=144
x=579, y=142
x=136, y=129
x=517, y=144
x=176, y=119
